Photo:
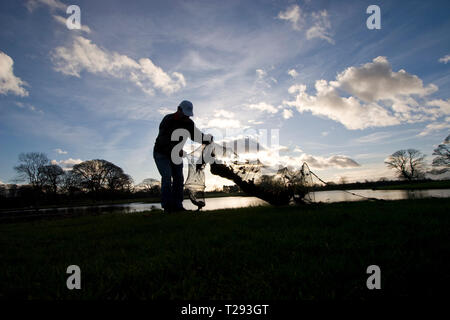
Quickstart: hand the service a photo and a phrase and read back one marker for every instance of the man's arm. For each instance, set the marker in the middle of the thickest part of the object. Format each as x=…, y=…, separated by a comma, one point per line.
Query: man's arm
x=197, y=135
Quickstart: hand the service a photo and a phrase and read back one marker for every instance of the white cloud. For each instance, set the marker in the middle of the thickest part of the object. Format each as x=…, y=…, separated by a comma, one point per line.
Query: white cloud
x=252, y=121
x=263, y=106
x=376, y=97
x=336, y=161
x=287, y=113
x=374, y=137
x=9, y=83
x=293, y=73
x=294, y=15
x=376, y=81
x=321, y=27
x=261, y=73
x=60, y=151
x=263, y=79
x=67, y=164
x=52, y=4
x=160, y=79
x=223, y=123
x=445, y=59
x=63, y=20
x=435, y=126
x=319, y=22
x=84, y=55
x=277, y=156
x=164, y=111
x=348, y=111
x=222, y=119
x=224, y=114
x=194, y=61
x=443, y=105
x=29, y=107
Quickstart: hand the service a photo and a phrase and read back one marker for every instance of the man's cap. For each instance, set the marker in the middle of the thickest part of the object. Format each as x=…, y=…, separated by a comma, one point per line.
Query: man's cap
x=187, y=107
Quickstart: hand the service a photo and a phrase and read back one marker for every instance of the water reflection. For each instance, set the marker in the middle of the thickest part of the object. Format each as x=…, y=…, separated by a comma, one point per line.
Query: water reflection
x=339, y=195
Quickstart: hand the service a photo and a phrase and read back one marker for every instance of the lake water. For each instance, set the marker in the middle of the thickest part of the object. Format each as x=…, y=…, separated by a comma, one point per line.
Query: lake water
x=239, y=202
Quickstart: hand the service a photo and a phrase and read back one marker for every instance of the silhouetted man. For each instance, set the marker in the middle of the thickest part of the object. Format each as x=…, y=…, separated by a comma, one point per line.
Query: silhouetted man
x=168, y=152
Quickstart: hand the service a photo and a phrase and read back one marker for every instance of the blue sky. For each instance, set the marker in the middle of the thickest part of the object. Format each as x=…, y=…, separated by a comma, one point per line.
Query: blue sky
x=343, y=97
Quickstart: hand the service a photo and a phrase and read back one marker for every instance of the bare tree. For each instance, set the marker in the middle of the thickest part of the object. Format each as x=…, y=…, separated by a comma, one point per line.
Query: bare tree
x=52, y=176
x=30, y=168
x=149, y=184
x=409, y=163
x=95, y=175
x=70, y=183
x=443, y=155
x=118, y=180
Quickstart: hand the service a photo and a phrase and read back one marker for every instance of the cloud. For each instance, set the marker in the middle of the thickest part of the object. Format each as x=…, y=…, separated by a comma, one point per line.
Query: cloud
x=294, y=15
x=263, y=79
x=319, y=22
x=67, y=164
x=252, y=121
x=52, y=4
x=445, y=59
x=321, y=27
x=374, y=137
x=253, y=147
x=194, y=61
x=336, y=161
x=224, y=114
x=9, y=83
x=435, y=126
x=84, y=55
x=223, y=123
x=29, y=106
x=63, y=20
x=443, y=105
x=376, y=81
x=348, y=111
x=376, y=96
x=60, y=151
x=261, y=73
x=263, y=106
x=164, y=111
x=287, y=113
x=293, y=73
x=222, y=119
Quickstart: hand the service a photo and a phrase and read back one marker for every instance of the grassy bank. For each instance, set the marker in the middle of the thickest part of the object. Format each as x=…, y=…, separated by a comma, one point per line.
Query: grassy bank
x=315, y=252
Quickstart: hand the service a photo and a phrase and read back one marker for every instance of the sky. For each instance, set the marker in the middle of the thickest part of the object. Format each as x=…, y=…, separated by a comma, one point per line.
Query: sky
x=336, y=94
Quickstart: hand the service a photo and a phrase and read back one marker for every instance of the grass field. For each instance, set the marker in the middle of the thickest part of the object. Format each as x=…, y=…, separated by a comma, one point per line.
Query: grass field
x=313, y=252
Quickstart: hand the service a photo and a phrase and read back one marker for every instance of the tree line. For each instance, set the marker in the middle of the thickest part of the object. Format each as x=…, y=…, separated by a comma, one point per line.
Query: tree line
x=410, y=165
x=48, y=183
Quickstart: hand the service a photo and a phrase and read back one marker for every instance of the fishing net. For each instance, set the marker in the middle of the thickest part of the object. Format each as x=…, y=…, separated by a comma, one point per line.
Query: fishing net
x=195, y=181
x=279, y=186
